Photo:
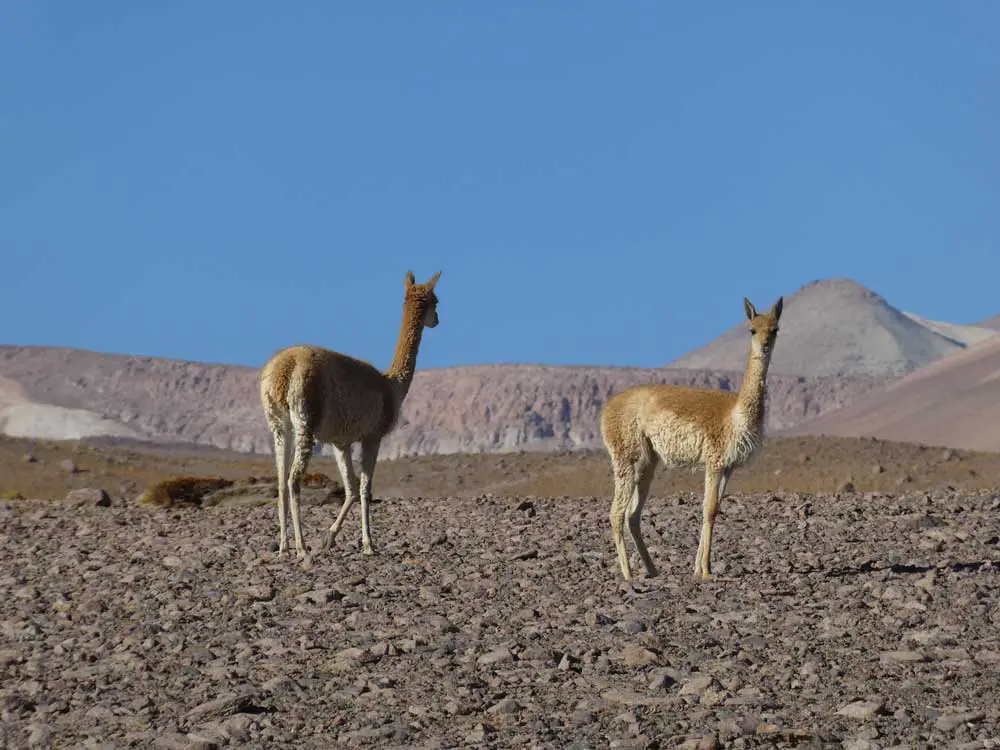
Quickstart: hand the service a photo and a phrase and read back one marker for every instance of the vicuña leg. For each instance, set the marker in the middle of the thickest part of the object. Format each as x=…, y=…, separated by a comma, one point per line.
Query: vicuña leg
x=300, y=462
x=726, y=473
x=625, y=488
x=369, y=457
x=638, y=499
x=710, y=506
x=350, y=480
x=282, y=459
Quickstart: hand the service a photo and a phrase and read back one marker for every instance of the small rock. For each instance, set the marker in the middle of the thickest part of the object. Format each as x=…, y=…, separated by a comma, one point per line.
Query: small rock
x=846, y=486
x=200, y=742
x=505, y=706
x=662, y=679
x=862, y=710
x=698, y=685
x=39, y=735
x=901, y=657
x=69, y=466
x=632, y=627
x=708, y=742
x=92, y=496
x=478, y=735
x=594, y=619
x=951, y=722
x=496, y=656
x=636, y=656
x=987, y=657
x=28, y=458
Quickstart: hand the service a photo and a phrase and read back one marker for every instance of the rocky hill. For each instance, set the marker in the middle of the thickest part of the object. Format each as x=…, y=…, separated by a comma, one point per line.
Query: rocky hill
x=953, y=402
x=462, y=409
x=838, y=327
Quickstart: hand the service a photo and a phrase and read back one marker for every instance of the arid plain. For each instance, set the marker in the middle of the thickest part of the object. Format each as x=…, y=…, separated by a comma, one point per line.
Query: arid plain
x=494, y=615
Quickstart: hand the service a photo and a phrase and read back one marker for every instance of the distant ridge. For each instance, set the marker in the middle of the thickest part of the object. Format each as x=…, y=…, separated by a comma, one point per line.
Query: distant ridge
x=992, y=323
x=834, y=327
x=483, y=408
x=953, y=402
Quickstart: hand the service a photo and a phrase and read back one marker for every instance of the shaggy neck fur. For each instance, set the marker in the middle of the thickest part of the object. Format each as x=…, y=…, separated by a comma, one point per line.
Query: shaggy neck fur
x=404, y=361
x=752, y=390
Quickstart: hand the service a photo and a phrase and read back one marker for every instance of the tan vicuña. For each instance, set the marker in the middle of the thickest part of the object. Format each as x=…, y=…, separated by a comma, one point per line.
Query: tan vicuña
x=311, y=394
x=681, y=426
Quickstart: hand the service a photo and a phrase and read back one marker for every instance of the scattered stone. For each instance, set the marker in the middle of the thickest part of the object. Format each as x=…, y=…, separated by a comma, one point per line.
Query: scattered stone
x=901, y=657
x=496, y=656
x=951, y=722
x=95, y=497
x=862, y=710
x=636, y=656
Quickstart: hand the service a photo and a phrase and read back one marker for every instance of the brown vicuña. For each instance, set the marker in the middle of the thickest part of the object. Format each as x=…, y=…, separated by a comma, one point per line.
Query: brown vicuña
x=313, y=394
x=681, y=426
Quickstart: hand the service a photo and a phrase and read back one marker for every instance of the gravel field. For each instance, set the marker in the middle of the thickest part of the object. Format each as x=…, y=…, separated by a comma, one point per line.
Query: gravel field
x=849, y=620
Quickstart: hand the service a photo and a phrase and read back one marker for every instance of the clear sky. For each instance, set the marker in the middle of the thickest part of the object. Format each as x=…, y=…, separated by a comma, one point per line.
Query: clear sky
x=599, y=182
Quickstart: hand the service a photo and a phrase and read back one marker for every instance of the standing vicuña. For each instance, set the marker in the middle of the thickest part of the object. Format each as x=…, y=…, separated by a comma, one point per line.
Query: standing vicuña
x=314, y=394
x=683, y=426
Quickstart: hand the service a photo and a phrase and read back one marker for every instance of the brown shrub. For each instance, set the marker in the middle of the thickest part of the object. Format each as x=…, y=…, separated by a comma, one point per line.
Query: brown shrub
x=191, y=490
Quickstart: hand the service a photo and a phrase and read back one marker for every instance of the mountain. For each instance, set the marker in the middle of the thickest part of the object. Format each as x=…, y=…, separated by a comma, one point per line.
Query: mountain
x=953, y=402
x=962, y=334
x=836, y=327
x=991, y=323
x=462, y=409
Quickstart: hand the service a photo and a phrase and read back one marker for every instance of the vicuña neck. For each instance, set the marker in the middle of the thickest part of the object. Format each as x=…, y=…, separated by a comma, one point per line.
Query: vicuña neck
x=404, y=361
x=751, y=398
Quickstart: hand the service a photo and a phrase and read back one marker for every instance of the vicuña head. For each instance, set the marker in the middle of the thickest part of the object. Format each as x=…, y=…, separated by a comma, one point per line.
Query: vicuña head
x=314, y=394
x=680, y=426
x=763, y=328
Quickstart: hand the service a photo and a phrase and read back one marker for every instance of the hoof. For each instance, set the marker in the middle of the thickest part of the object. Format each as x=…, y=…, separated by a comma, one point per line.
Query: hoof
x=367, y=550
x=327, y=541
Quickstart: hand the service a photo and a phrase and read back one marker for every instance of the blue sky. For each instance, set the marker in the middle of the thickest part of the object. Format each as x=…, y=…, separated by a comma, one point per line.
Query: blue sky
x=600, y=183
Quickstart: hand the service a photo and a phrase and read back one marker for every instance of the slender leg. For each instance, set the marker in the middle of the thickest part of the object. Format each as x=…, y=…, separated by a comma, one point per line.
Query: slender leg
x=726, y=473
x=279, y=431
x=638, y=499
x=300, y=462
x=350, y=480
x=710, y=506
x=624, y=488
x=369, y=457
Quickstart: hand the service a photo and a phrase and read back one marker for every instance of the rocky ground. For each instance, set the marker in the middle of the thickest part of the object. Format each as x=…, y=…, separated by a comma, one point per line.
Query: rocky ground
x=837, y=620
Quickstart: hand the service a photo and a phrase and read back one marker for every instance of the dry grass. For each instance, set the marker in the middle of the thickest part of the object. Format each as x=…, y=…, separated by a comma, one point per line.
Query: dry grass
x=184, y=490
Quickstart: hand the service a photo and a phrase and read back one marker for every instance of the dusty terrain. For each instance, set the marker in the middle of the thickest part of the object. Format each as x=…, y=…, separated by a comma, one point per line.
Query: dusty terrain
x=494, y=614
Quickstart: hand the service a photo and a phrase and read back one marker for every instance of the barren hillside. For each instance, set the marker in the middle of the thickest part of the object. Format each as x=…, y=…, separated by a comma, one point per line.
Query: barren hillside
x=834, y=327
x=953, y=402
x=992, y=323
x=466, y=409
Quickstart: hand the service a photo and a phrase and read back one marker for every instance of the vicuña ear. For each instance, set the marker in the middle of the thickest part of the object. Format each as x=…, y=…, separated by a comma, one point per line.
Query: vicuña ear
x=410, y=279
x=751, y=311
x=434, y=280
x=776, y=308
